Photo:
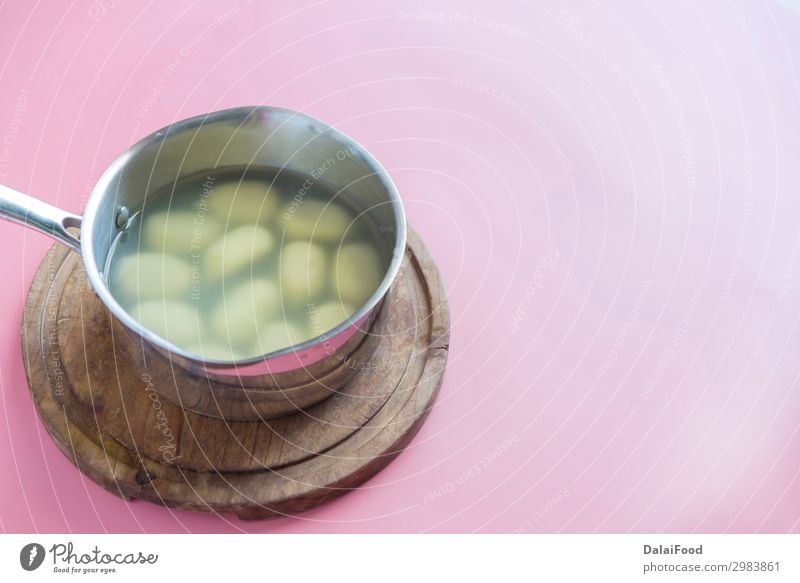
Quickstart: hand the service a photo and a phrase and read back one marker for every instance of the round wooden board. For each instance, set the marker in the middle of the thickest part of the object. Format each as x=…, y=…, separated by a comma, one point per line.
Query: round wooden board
x=97, y=407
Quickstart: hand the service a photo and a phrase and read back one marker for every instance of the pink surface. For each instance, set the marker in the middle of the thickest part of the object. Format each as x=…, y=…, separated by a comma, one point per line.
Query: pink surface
x=611, y=191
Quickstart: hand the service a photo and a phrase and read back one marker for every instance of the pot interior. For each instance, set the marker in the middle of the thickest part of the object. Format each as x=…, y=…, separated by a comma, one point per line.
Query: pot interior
x=273, y=142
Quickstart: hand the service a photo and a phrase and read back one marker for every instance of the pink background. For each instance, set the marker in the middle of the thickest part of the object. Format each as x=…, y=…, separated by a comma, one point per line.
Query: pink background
x=611, y=190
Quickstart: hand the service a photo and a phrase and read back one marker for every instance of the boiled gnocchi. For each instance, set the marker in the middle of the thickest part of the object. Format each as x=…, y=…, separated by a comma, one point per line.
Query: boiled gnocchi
x=303, y=272
x=237, y=250
x=315, y=220
x=243, y=202
x=329, y=315
x=356, y=273
x=179, y=231
x=244, y=310
x=246, y=268
x=151, y=275
x=174, y=321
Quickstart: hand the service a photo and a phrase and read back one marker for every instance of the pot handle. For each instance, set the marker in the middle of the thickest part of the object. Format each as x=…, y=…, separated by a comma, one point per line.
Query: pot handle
x=32, y=212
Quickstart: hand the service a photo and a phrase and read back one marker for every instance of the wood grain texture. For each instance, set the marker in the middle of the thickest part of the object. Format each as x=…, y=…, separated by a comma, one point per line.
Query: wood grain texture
x=99, y=406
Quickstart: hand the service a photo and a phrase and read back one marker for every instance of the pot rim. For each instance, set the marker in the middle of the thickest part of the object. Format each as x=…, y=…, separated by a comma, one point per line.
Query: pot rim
x=103, y=185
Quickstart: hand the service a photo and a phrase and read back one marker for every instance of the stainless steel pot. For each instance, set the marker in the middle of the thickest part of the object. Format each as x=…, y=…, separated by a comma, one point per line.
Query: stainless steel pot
x=266, y=137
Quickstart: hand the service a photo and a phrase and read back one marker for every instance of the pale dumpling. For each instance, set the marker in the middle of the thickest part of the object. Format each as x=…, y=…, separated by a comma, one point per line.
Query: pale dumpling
x=236, y=251
x=144, y=276
x=247, y=307
x=315, y=220
x=177, y=322
x=247, y=201
x=179, y=231
x=356, y=273
x=328, y=316
x=278, y=335
x=303, y=272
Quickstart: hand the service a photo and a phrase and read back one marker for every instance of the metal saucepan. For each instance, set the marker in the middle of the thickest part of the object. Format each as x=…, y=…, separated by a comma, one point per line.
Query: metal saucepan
x=266, y=137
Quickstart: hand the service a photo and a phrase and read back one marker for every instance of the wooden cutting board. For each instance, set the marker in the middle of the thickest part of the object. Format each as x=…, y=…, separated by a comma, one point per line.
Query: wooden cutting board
x=101, y=410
